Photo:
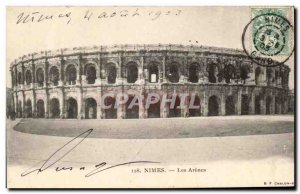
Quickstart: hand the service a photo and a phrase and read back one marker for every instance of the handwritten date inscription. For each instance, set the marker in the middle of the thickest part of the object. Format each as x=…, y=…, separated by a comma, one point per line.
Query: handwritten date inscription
x=88, y=15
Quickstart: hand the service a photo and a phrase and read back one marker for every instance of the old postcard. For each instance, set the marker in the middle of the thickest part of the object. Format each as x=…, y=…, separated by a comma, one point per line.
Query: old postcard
x=150, y=97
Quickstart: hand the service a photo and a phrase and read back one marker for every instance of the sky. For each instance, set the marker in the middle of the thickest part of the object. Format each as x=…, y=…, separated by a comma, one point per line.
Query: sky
x=68, y=27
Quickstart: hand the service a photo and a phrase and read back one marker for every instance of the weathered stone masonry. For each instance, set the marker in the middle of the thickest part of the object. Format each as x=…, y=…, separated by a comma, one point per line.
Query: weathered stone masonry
x=70, y=83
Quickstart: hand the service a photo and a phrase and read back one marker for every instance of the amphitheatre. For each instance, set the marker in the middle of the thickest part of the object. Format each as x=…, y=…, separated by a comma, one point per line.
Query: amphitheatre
x=70, y=83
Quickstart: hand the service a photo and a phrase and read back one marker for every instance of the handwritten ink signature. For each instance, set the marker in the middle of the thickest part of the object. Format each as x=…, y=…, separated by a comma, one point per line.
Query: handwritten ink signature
x=66, y=149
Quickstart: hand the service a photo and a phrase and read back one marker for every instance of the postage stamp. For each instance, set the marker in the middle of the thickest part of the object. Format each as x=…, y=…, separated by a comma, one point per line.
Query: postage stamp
x=270, y=35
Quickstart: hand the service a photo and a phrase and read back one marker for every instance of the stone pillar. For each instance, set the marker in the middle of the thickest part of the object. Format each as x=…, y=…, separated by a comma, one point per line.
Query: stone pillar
x=142, y=109
x=23, y=104
x=119, y=78
x=223, y=108
x=280, y=82
x=33, y=73
x=80, y=104
x=186, y=110
x=167, y=110
x=252, y=103
x=183, y=71
x=144, y=104
x=239, y=102
x=23, y=74
x=121, y=114
x=264, y=76
x=279, y=107
x=46, y=73
x=263, y=105
x=47, y=105
x=83, y=80
x=120, y=111
x=17, y=105
x=164, y=69
x=79, y=73
x=285, y=105
x=273, y=83
x=204, y=104
x=251, y=73
x=62, y=104
x=15, y=78
x=34, y=113
x=205, y=77
x=164, y=108
x=15, y=102
x=273, y=105
x=12, y=78
x=99, y=105
x=61, y=70
x=98, y=72
x=141, y=69
x=251, y=79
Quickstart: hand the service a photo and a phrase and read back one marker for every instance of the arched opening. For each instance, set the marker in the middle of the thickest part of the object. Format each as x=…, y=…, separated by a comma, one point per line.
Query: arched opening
x=110, y=113
x=90, y=108
x=111, y=74
x=90, y=73
x=244, y=73
x=28, y=111
x=71, y=108
x=71, y=75
x=28, y=77
x=258, y=73
x=268, y=105
x=195, y=112
x=193, y=73
x=175, y=111
x=229, y=106
x=213, y=106
x=257, y=105
x=154, y=110
x=54, y=75
x=19, y=109
x=245, y=105
x=229, y=73
x=20, y=78
x=40, y=108
x=153, y=73
x=173, y=74
x=269, y=76
x=212, y=73
x=54, y=108
x=40, y=77
x=132, y=112
x=132, y=72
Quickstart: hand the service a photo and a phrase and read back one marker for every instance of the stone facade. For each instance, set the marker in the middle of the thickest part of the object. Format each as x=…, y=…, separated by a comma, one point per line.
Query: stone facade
x=69, y=83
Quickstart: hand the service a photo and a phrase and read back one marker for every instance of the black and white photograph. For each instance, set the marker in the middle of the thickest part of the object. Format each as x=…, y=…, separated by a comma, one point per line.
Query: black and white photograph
x=150, y=97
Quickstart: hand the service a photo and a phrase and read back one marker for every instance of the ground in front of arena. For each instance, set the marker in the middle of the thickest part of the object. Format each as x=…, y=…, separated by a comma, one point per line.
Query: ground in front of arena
x=258, y=148
x=161, y=128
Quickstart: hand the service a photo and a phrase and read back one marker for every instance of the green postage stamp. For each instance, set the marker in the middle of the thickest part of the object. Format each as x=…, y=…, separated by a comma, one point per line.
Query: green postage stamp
x=269, y=35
